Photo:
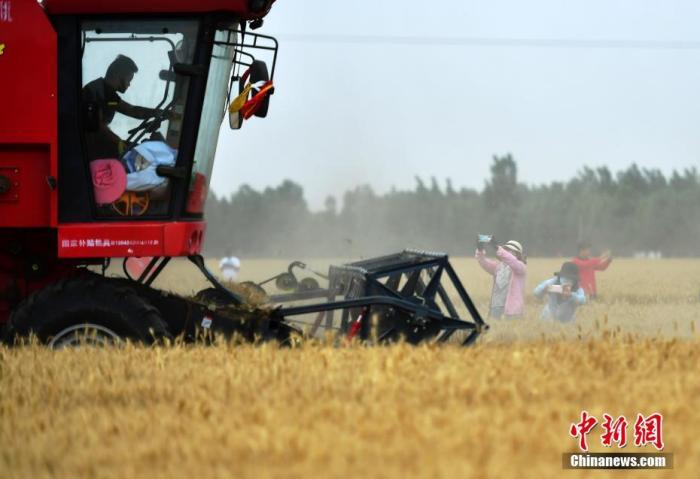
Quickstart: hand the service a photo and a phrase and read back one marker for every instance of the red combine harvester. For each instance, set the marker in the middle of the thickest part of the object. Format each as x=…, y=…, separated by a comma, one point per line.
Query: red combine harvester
x=110, y=118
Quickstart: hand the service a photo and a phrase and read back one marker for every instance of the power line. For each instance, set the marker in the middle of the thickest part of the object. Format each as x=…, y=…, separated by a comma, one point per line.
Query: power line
x=492, y=42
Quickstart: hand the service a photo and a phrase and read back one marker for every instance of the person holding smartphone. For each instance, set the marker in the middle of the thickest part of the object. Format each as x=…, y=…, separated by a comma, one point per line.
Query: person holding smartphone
x=563, y=294
x=509, y=271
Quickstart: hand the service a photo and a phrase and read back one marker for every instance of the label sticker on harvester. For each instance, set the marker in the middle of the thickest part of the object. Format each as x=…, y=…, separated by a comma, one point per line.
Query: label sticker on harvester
x=206, y=322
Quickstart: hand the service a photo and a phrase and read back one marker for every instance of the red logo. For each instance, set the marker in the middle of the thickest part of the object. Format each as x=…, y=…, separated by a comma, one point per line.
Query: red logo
x=614, y=431
x=581, y=429
x=647, y=430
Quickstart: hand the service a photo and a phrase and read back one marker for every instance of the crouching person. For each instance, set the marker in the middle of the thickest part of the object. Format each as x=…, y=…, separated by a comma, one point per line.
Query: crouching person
x=563, y=294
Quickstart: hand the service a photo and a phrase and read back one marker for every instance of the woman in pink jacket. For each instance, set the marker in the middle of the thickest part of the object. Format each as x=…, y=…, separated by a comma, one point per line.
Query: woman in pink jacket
x=509, y=273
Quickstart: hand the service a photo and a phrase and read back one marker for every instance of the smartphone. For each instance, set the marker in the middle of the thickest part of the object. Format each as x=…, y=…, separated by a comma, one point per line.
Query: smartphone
x=484, y=239
x=556, y=288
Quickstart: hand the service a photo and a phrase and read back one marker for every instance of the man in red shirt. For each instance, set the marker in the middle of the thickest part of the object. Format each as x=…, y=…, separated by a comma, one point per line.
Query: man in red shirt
x=588, y=265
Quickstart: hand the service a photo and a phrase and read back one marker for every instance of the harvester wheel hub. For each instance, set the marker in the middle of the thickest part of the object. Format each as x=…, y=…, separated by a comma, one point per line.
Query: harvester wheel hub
x=86, y=334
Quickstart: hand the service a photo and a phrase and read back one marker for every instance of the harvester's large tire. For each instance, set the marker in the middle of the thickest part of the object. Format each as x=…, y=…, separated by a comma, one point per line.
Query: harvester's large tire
x=87, y=309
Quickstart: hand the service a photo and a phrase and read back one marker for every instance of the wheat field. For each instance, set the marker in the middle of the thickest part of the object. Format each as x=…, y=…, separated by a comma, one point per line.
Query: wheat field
x=499, y=409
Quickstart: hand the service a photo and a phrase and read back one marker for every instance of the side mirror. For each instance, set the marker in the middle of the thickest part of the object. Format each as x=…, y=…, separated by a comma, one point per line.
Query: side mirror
x=235, y=118
x=256, y=74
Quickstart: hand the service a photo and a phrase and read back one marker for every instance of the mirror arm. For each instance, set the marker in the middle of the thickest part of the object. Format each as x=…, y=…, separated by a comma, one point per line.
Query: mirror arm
x=188, y=70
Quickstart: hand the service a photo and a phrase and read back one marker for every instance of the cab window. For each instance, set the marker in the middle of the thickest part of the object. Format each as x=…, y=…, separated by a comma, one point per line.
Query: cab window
x=133, y=104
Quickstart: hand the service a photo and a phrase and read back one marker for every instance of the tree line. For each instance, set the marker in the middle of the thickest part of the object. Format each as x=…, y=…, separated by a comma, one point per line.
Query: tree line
x=632, y=210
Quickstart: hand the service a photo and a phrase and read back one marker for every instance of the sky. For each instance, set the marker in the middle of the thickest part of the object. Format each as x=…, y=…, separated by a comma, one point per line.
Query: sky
x=378, y=92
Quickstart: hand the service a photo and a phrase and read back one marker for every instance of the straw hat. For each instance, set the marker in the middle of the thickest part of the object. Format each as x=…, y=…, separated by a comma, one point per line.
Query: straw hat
x=514, y=247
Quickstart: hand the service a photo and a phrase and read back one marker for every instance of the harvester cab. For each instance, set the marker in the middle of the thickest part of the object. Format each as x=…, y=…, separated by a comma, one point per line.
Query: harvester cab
x=111, y=116
x=167, y=156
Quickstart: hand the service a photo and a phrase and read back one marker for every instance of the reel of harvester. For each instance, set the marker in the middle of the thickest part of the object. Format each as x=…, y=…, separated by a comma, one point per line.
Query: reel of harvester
x=289, y=283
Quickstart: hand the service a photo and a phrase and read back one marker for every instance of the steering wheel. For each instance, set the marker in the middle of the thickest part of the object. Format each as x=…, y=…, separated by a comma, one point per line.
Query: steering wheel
x=149, y=125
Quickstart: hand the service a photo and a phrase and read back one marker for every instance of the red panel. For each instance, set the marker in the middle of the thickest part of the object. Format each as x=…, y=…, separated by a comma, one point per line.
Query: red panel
x=27, y=202
x=119, y=240
x=28, y=85
x=239, y=7
x=197, y=195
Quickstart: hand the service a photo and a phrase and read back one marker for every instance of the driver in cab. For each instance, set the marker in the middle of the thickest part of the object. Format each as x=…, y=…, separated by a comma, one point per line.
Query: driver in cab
x=101, y=100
